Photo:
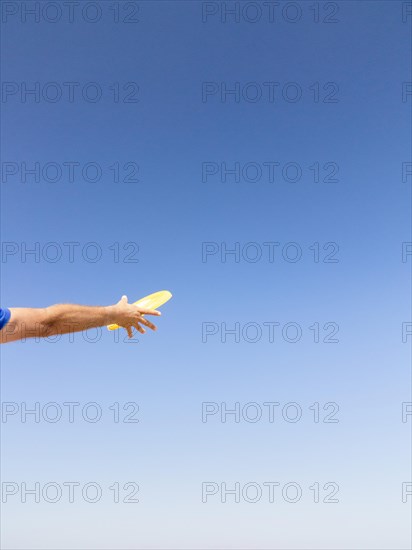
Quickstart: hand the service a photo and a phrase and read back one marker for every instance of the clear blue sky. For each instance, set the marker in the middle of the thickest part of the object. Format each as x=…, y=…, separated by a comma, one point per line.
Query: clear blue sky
x=351, y=123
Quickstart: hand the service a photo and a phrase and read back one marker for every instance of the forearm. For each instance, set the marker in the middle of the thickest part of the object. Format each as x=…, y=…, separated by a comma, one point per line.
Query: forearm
x=65, y=318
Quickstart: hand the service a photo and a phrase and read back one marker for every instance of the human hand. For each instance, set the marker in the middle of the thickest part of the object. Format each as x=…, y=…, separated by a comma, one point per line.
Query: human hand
x=129, y=315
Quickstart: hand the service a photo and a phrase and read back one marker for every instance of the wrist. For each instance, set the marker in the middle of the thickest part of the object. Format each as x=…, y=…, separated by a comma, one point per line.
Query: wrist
x=111, y=314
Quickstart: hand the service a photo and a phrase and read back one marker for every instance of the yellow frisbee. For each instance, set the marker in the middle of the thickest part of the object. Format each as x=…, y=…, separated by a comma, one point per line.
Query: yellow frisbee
x=152, y=301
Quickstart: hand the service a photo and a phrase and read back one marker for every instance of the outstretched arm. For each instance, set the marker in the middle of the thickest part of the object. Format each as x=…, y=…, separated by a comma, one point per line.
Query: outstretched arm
x=65, y=318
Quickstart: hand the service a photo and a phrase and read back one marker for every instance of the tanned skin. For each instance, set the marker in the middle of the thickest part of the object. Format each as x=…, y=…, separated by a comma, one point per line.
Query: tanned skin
x=68, y=318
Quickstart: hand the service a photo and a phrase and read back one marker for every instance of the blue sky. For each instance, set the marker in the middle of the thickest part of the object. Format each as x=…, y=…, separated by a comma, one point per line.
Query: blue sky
x=169, y=142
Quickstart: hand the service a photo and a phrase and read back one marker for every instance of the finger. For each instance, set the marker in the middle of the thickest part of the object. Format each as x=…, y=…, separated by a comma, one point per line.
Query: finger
x=147, y=323
x=145, y=311
x=129, y=332
x=124, y=299
x=139, y=328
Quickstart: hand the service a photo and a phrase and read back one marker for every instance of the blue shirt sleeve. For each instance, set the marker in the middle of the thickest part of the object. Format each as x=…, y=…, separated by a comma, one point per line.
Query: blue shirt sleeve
x=5, y=315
